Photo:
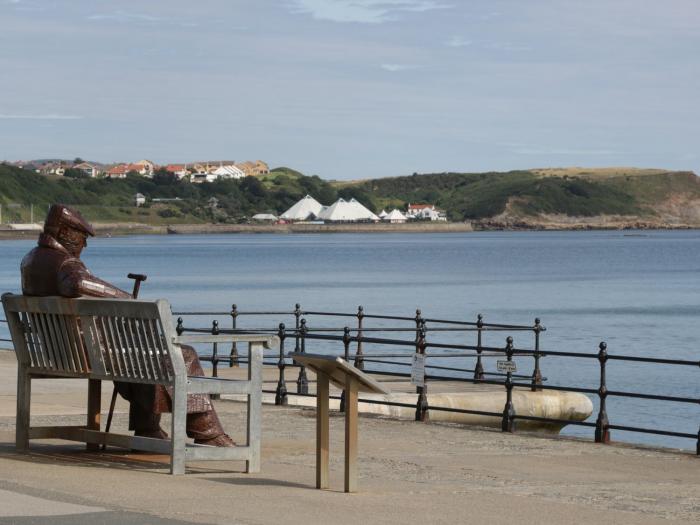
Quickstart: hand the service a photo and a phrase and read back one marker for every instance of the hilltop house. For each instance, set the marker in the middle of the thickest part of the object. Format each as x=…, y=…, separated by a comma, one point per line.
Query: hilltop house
x=253, y=169
x=179, y=170
x=118, y=171
x=230, y=171
x=88, y=169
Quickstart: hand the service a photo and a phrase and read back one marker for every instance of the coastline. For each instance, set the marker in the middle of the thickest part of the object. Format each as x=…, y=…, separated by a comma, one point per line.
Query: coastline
x=121, y=229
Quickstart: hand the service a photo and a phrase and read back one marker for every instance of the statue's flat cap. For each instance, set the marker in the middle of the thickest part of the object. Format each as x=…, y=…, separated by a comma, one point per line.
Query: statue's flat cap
x=62, y=215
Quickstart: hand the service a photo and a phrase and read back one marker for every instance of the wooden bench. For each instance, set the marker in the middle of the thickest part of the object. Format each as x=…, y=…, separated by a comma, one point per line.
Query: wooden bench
x=129, y=341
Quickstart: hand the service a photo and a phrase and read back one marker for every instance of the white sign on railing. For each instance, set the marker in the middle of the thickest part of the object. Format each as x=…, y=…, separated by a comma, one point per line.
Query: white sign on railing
x=418, y=370
x=506, y=366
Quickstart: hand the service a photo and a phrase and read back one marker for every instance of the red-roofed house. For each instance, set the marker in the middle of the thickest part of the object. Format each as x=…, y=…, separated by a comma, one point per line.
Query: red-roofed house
x=180, y=170
x=118, y=172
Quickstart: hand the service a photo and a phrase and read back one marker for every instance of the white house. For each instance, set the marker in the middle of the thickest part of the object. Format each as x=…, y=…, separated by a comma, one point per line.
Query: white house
x=425, y=212
x=305, y=209
x=139, y=199
x=229, y=171
x=89, y=169
x=264, y=217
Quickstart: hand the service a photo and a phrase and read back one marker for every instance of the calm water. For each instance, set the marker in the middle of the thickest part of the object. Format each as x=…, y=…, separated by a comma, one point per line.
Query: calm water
x=640, y=292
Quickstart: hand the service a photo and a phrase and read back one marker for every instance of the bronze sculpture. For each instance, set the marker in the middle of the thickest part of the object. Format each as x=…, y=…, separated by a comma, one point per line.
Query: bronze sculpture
x=54, y=268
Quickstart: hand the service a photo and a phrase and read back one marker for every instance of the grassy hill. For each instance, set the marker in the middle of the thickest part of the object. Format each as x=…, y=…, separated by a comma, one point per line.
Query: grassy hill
x=527, y=194
x=494, y=199
x=112, y=200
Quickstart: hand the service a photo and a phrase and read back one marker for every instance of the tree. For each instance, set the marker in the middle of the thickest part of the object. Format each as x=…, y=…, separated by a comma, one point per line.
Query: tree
x=77, y=160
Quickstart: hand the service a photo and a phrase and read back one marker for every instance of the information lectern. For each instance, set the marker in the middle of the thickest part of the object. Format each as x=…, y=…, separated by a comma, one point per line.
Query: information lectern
x=336, y=370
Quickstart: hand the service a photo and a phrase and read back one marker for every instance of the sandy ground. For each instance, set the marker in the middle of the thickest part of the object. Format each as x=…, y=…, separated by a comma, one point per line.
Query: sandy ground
x=408, y=473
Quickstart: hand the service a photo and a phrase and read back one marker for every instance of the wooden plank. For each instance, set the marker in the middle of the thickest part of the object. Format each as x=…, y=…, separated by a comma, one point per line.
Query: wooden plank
x=351, y=386
x=337, y=368
x=322, y=431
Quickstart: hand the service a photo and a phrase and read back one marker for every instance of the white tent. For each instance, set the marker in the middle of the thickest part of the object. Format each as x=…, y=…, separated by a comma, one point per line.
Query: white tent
x=306, y=208
x=383, y=214
x=347, y=211
x=395, y=217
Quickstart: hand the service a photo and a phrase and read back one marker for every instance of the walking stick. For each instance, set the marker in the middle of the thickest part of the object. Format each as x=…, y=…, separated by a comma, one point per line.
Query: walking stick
x=137, y=277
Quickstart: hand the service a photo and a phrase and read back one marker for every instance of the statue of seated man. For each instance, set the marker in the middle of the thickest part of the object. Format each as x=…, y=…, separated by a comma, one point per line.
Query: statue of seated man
x=54, y=268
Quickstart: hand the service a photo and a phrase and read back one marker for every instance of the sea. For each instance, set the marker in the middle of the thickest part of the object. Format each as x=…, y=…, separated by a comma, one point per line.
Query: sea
x=639, y=291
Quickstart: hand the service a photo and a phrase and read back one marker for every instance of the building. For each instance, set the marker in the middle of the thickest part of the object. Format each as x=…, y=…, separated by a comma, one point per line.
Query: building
x=139, y=200
x=264, y=217
x=88, y=169
x=347, y=211
x=53, y=168
x=118, y=171
x=143, y=167
x=306, y=209
x=179, y=170
x=230, y=171
x=253, y=168
x=425, y=212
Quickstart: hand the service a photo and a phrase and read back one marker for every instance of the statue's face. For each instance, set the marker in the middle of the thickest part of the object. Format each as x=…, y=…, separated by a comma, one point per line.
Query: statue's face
x=73, y=240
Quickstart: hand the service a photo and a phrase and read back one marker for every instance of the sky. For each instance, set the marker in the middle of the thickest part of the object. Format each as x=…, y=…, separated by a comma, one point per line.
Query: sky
x=350, y=89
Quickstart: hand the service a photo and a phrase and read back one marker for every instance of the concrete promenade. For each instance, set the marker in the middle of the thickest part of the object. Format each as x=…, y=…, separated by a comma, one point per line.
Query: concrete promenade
x=408, y=473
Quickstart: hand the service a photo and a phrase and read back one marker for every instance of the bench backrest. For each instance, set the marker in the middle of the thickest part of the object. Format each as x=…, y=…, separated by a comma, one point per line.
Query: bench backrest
x=116, y=339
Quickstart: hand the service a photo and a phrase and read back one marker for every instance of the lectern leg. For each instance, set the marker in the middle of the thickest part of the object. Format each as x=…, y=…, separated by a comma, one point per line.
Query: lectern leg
x=350, y=435
x=322, y=431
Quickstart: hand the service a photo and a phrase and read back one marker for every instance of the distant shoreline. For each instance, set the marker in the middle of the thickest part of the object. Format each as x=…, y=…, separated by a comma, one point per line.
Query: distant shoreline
x=120, y=229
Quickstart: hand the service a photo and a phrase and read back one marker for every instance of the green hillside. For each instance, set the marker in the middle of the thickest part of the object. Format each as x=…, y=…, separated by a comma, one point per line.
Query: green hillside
x=585, y=193
x=112, y=200
x=572, y=192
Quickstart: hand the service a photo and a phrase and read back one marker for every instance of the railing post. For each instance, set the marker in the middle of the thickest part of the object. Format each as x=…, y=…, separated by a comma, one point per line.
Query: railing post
x=508, y=421
x=233, y=357
x=602, y=432
x=346, y=346
x=536, y=373
x=215, y=354
x=302, y=381
x=422, y=403
x=179, y=328
x=297, y=316
x=359, y=362
x=697, y=449
x=479, y=368
x=281, y=392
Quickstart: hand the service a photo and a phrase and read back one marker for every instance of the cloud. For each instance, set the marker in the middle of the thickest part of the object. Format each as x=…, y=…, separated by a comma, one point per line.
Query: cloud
x=458, y=41
x=48, y=116
x=398, y=67
x=563, y=151
x=363, y=11
x=124, y=16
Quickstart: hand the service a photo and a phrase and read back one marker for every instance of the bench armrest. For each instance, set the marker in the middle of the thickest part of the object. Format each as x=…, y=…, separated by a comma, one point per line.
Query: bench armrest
x=268, y=341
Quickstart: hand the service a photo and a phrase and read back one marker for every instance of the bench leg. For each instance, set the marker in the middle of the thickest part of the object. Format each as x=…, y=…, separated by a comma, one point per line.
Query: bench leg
x=93, y=409
x=254, y=432
x=350, y=435
x=24, y=395
x=178, y=430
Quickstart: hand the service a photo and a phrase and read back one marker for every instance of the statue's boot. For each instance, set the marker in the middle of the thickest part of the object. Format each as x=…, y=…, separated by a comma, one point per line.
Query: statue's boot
x=206, y=429
x=145, y=423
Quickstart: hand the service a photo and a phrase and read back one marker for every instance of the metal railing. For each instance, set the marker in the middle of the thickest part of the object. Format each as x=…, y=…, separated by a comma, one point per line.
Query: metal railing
x=302, y=333
x=361, y=335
